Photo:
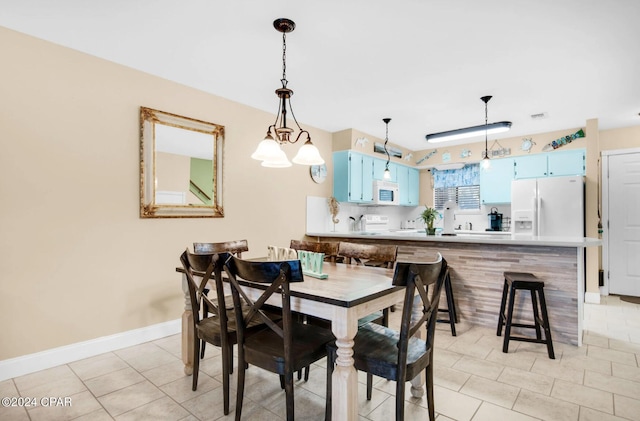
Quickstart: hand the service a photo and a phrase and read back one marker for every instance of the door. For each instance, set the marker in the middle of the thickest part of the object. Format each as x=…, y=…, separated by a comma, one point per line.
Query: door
x=495, y=181
x=561, y=207
x=530, y=166
x=623, y=185
x=566, y=163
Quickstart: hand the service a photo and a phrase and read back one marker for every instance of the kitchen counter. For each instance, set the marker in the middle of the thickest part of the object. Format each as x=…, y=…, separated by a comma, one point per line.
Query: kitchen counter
x=478, y=260
x=477, y=237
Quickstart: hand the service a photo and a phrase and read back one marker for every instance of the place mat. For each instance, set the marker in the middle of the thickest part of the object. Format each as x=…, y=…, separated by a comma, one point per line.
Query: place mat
x=629, y=299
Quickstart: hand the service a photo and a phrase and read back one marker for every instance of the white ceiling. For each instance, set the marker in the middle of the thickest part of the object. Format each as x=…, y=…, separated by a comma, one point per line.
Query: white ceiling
x=424, y=63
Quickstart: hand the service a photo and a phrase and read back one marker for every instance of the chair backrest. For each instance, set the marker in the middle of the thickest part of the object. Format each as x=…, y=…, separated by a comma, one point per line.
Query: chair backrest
x=235, y=247
x=385, y=254
x=329, y=249
x=427, y=279
x=279, y=274
x=209, y=266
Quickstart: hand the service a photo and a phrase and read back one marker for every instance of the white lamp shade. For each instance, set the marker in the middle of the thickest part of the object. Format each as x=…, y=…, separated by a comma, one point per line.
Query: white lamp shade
x=268, y=149
x=387, y=174
x=308, y=154
x=486, y=163
x=279, y=160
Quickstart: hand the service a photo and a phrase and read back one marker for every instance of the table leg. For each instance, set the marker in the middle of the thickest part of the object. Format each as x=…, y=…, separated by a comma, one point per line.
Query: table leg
x=344, y=391
x=417, y=383
x=187, y=329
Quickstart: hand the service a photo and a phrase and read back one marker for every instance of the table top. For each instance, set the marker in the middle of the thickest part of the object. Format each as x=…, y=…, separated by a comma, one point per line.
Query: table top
x=346, y=285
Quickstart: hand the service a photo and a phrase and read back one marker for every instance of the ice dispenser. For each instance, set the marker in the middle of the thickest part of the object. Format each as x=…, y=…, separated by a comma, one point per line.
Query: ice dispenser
x=522, y=222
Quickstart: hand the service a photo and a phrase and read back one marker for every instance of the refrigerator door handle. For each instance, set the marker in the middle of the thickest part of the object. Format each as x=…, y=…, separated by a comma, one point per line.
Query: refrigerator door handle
x=539, y=216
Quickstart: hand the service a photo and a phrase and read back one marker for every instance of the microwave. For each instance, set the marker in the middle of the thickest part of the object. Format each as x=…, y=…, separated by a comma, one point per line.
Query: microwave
x=385, y=193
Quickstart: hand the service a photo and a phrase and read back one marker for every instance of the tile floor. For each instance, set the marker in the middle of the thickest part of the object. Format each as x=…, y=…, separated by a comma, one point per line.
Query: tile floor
x=473, y=380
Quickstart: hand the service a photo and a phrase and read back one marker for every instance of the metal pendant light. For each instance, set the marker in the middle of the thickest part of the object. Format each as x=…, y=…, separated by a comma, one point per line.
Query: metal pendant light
x=387, y=173
x=486, y=163
x=269, y=150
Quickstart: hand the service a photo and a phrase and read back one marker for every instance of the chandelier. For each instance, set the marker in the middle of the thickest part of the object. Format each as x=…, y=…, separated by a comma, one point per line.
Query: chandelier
x=269, y=150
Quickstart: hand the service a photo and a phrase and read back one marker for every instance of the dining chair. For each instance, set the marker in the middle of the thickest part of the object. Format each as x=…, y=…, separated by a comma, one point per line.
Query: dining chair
x=330, y=249
x=370, y=255
x=283, y=347
x=235, y=247
x=219, y=328
x=398, y=355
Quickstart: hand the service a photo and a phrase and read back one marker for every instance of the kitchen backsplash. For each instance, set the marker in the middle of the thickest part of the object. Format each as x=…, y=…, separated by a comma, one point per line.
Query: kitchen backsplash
x=319, y=218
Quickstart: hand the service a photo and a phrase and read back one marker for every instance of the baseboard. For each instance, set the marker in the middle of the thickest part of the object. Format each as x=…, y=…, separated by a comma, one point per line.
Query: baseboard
x=26, y=364
x=592, y=297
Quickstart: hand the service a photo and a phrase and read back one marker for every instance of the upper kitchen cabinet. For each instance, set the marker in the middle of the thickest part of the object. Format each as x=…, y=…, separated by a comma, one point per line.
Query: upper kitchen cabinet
x=530, y=166
x=552, y=164
x=408, y=185
x=379, y=165
x=352, y=177
x=495, y=182
x=566, y=163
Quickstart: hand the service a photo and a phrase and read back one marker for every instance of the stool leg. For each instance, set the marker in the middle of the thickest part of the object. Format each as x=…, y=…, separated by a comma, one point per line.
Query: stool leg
x=450, y=305
x=507, y=331
x=502, y=306
x=536, y=314
x=546, y=326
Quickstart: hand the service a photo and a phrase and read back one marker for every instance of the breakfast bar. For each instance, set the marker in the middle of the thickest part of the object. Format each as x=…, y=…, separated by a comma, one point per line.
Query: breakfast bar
x=478, y=261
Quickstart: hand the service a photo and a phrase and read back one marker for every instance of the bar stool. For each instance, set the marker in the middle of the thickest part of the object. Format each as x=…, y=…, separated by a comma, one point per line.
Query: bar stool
x=451, y=305
x=524, y=281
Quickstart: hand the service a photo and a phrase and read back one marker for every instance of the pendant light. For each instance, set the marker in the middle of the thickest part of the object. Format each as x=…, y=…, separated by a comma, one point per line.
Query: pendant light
x=387, y=173
x=486, y=163
x=269, y=150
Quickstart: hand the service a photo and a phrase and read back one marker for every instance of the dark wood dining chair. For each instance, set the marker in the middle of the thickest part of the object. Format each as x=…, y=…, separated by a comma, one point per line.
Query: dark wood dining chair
x=398, y=355
x=235, y=247
x=283, y=347
x=370, y=255
x=219, y=328
x=330, y=249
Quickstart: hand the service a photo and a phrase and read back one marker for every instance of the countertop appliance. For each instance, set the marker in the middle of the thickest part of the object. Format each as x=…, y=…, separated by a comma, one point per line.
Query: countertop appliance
x=385, y=193
x=375, y=223
x=551, y=206
x=448, y=217
x=495, y=220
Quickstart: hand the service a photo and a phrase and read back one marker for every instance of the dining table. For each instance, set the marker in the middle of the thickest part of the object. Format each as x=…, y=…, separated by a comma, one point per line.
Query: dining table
x=348, y=293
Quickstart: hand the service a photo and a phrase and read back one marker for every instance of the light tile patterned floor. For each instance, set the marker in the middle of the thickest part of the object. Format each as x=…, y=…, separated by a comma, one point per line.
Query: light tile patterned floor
x=473, y=379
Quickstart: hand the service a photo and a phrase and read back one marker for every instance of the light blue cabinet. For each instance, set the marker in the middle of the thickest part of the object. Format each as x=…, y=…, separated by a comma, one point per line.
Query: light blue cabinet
x=379, y=166
x=495, y=182
x=408, y=179
x=561, y=163
x=550, y=164
x=352, y=177
x=530, y=166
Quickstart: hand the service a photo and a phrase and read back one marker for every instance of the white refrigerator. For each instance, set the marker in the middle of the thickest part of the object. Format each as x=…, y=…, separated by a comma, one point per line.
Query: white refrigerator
x=550, y=206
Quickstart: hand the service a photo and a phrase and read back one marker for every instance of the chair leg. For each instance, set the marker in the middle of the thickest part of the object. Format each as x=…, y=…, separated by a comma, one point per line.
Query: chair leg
x=225, y=379
x=240, y=391
x=281, y=382
x=536, y=314
x=230, y=358
x=306, y=374
x=196, y=364
x=429, y=385
x=385, y=317
x=400, y=384
x=369, y=385
x=288, y=390
x=330, y=365
x=202, y=345
x=451, y=307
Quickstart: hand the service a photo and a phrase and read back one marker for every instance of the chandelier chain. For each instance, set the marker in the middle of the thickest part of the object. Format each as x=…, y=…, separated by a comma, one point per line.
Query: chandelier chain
x=284, y=59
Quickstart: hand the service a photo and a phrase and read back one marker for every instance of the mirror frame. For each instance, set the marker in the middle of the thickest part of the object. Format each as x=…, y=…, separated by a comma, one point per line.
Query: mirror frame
x=148, y=208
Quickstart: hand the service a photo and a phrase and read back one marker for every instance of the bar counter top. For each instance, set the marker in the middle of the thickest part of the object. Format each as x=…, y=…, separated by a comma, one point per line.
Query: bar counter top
x=474, y=237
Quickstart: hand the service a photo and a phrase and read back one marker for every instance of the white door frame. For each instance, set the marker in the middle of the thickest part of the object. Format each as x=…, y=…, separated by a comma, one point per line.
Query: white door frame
x=604, y=183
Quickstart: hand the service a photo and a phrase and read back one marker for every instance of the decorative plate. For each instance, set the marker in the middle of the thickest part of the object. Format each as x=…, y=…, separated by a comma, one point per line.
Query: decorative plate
x=318, y=173
x=527, y=144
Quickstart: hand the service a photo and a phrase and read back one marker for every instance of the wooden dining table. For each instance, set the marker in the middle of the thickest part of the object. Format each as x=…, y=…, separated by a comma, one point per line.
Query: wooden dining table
x=349, y=293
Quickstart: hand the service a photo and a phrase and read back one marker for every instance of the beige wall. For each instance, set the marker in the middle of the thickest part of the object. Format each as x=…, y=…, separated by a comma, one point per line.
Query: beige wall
x=76, y=261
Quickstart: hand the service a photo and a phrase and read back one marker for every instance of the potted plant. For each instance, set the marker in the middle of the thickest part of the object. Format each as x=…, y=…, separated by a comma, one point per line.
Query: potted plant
x=428, y=216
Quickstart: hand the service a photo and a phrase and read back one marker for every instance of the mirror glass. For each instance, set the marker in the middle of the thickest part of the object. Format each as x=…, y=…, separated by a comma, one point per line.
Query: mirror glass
x=180, y=166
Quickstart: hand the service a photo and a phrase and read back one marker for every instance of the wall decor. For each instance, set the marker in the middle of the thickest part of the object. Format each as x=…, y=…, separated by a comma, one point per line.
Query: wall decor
x=427, y=156
x=318, y=173
x=379, y=148
x=361, y=142
x=527, y=144
x=180, y=166
x=446, y=157
x=563, y=141
x=465, y=153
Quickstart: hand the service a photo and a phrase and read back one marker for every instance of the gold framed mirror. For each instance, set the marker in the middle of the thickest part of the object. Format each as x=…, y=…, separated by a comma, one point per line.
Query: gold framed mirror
x=180, y=166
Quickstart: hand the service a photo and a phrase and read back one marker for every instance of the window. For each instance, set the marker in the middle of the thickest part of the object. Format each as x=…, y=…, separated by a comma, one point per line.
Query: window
x=461, y=186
